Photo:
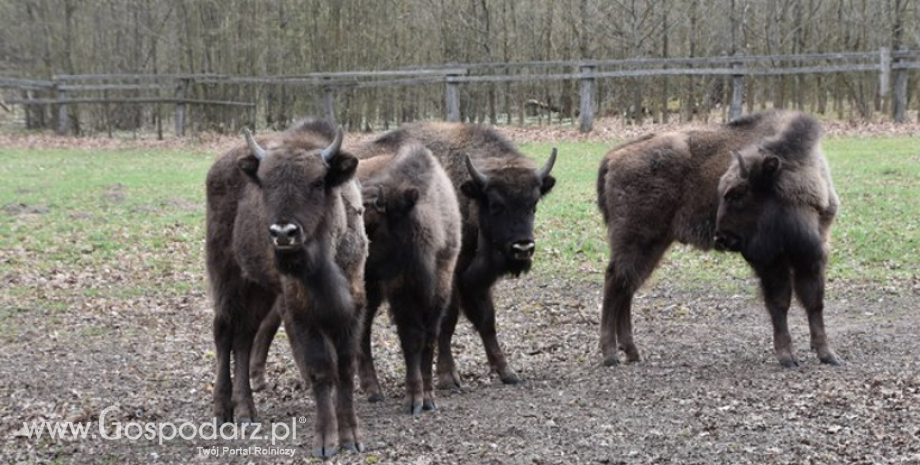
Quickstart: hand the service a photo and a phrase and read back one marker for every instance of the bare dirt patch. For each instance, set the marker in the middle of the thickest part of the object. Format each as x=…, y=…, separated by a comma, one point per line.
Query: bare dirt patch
x=707, y=391
x=14, y=209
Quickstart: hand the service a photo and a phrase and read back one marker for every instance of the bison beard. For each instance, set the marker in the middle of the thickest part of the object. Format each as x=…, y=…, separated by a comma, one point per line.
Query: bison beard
x=759, y=186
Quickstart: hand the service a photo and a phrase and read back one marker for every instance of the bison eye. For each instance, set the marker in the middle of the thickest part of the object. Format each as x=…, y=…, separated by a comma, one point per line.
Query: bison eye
x=318, y=184
x=735, y=197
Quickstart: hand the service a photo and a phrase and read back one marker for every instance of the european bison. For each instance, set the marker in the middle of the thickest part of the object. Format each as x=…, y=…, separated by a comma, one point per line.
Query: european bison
x=501, y=188
x=284, y=223
x=758, y=185
x=413, y=222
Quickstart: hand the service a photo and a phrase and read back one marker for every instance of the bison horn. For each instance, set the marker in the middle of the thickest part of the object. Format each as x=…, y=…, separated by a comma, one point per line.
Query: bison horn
x=477, y=175
x=257, y=151
x=744, y=170
x=544, y=171
x=329, y=152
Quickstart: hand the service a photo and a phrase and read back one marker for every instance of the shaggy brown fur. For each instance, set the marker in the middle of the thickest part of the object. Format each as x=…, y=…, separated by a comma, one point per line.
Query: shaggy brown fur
x=773, y=202
x=497, y=206
x=284, y=224
x=413, y=223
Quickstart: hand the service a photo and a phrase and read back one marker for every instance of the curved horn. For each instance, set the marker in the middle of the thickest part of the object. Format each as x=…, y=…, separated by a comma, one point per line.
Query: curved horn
x=744, y=170
x=543, y=172
x=330, y=152
x=257, y=151
x=477, y=175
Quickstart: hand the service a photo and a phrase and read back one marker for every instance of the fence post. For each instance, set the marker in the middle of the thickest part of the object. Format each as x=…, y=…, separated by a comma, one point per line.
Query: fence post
x=899, y=106
x=329, y=102
x=586, y=98
x=453, y=98
x=63, y=112
x=884, y=72
x=737, y=105
x=181, y=89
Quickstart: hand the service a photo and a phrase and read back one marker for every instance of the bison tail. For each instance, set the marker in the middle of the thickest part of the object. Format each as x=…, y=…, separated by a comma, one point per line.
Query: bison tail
x=601, y=189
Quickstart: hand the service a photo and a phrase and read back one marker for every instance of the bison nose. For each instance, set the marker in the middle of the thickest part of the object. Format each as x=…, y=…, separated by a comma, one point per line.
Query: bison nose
x=523, y=249
x=285, y=235
x=726, y=241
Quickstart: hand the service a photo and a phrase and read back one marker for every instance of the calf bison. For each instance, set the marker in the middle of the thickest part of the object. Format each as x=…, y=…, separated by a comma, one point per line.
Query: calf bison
x=501, y=188
x=413, y=222
x=284, y=223
x=758, y=185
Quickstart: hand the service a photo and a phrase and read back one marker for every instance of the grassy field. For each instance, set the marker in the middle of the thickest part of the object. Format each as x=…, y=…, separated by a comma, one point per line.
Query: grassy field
x=129, y=223
x=875, y=238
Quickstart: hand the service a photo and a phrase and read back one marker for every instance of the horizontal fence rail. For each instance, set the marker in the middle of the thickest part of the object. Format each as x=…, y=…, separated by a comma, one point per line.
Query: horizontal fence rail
x=64, y=90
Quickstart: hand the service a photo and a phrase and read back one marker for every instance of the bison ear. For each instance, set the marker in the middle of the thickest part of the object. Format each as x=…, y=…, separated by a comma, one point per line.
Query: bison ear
x=249, y=165
x=341, y=168
x=409, y=198
x=547, y=185
x=373, y=198
x=471, y=189
x=771, y=165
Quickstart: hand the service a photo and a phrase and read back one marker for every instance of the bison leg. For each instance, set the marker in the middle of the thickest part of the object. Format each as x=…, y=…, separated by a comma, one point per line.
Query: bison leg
x=624, y=275
x=255, y=306
x=350, y=437
x=412, y=341
x=410, y=313
x=776, y=283
x=223, y=342
x=431, y=337
x=618, y=294
x=244, y=406
x=260, y=347
x=448, y=377
x=477, y=303
x=313, y=352
x=809, y=288
x=366, y=371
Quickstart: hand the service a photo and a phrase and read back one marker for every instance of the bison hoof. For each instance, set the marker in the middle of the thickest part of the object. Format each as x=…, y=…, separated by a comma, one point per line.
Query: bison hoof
x=449, y=381
x=375, y=397
x=248, y=421
x=831, y=360
x=415, y=408
x=788, y=362
x=325, y=452
x=258, y=383
x=429, y=405
x=353, y=447
x=510, y=377
x=632, y=356
x=611, y=361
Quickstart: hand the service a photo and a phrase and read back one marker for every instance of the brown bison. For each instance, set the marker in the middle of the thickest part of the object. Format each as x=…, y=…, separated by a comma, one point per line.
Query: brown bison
x=758, y=185
x=413, y=222
x=501, y=188
x=284, y=223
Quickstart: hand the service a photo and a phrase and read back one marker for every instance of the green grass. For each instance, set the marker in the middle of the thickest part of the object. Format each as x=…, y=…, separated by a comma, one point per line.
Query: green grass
x=124, y=225
x=874, y=239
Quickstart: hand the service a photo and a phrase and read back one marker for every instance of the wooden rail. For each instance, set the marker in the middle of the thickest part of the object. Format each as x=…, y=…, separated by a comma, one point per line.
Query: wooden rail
x=892, y=67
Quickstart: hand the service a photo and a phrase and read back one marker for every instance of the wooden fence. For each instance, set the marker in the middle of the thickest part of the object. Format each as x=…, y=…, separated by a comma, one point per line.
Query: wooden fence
x=67, y=90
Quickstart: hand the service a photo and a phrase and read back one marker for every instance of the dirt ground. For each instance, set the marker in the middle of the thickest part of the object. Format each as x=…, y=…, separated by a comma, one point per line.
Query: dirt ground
x=707, y=391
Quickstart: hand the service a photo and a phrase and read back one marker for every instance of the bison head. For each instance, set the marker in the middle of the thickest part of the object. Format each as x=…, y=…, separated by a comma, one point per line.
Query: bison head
x=507, y=201
x=751, y=218
x=296, y=185
x=387, y=221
